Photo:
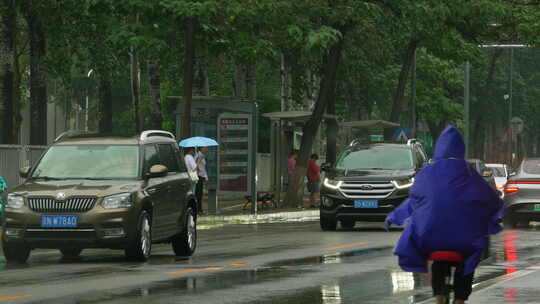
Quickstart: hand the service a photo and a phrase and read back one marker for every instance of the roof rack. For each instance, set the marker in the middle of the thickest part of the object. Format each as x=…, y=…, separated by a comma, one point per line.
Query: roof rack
x=70, y=133
x=150, y=133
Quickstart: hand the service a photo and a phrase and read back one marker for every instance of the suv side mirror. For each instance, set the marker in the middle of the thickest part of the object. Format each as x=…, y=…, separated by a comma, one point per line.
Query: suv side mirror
x=487, y=173
x=512, y=173
x=326, y=167
x=157, y=171
x=23, y=172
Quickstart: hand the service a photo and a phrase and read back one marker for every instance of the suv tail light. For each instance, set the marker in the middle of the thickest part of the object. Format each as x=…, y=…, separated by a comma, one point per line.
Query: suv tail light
x=512, y=187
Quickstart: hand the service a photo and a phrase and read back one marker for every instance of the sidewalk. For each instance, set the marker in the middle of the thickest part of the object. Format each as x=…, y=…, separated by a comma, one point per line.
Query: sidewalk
x=518, y=287
x=231, y=211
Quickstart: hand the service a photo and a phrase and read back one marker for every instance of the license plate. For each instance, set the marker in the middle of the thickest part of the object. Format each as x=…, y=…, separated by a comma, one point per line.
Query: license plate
x=366, y=204
x=59, y=221
x=536, y=207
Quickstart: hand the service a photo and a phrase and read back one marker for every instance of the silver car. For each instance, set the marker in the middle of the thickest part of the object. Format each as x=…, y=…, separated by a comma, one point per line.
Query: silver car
x=522, y=194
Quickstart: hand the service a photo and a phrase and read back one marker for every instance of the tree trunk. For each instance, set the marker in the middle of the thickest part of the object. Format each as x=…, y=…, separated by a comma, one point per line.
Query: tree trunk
x=286, y=92
x=331, y=129
x=8, y=74
x=189, y=62
x=38, y=79
x=201, y=84
x=135, y=89
x=327, y=85
x=399, y=95
x=155, y=88
x=105, y=124
x=245, y=81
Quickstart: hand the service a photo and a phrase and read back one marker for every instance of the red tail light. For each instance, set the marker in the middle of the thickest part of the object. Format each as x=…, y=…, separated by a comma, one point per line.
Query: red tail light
x=512, y=187
x=510, y=190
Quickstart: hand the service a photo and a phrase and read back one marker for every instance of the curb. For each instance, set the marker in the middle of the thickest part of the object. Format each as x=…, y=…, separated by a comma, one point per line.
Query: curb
x=293, y=216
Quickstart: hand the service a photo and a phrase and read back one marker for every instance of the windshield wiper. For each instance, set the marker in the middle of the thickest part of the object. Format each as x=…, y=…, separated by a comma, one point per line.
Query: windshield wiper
x=48, y=178
x=92, y=178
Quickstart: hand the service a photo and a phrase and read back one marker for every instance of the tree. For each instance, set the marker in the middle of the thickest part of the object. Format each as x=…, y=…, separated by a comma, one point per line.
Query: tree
x=9, y=82
x=35, y=17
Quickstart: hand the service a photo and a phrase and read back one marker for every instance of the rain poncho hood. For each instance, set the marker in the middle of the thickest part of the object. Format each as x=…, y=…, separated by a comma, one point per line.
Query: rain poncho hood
x=450, y=207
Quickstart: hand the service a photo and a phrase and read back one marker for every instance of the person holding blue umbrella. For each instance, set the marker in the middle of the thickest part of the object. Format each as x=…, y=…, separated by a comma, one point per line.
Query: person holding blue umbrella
x=196, y=160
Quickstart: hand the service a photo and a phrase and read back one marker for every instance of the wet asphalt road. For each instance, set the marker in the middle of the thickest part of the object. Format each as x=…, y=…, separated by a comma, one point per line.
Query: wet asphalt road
x=269, y=263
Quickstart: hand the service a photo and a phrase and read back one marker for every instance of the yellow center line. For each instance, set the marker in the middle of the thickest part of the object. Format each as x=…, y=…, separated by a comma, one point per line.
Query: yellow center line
x=5, y=298
x=195, y=270
x=238, y=264
x=344, y=246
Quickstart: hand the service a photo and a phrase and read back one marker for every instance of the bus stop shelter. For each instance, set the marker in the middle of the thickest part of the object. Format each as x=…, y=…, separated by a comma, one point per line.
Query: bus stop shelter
x=283, y=125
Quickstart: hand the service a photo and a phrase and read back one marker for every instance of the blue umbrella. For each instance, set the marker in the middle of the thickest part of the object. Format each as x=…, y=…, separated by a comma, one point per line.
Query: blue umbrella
x=198, y=141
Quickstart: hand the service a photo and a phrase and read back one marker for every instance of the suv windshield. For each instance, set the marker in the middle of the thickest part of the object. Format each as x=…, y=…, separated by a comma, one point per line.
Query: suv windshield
x=376, y=158
x=89, y=162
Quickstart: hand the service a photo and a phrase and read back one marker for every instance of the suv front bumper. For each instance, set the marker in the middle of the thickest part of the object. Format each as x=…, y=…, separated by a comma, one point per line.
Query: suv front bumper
x=342, y=209
x=97, y=228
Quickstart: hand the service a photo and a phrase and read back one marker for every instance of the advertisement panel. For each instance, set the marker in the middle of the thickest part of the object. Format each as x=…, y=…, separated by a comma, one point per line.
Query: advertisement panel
x=234, y=133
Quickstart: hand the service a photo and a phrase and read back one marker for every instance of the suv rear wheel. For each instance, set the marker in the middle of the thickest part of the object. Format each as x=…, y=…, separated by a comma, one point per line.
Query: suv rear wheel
x=141, y=246
x=17, y=253
x=185, y=243
x=328, y=224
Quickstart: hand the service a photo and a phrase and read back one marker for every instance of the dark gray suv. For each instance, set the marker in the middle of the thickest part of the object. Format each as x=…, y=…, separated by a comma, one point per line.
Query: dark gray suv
x=91, y=191
x=368, y=181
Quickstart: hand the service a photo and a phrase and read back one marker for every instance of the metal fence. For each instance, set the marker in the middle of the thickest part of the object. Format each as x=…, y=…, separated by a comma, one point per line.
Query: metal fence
x=14, y=157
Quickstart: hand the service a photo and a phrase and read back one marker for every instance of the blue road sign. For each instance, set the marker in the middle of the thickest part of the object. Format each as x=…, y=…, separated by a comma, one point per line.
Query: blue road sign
x=402, y=134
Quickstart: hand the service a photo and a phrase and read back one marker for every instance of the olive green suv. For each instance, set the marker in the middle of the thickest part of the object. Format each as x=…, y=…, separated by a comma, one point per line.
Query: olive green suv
x=91, y=191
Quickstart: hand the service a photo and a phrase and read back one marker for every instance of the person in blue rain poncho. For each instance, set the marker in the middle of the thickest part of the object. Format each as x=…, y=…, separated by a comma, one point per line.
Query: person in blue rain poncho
x=450, y=207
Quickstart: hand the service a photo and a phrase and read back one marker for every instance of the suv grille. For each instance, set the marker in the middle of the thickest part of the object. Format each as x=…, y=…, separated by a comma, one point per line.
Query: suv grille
x=72, y=204
x=353, y=189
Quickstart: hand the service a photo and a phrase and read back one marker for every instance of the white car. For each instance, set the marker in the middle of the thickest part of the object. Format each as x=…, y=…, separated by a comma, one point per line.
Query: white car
x=500, y=172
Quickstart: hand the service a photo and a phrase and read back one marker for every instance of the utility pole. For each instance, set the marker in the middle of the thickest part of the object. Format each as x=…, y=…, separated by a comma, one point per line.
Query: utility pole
x=467, y=94
x=413, y=97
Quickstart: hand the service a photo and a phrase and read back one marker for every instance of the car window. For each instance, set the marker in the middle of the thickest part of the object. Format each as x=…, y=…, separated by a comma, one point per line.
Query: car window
x=376, y=158
x=498, y=171
x=531, y=166
x=168, y=157
x=151, y=157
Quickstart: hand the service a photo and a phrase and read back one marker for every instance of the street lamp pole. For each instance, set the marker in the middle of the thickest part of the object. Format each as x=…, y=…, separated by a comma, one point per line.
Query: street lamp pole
x=413, y=101
x=510, y=105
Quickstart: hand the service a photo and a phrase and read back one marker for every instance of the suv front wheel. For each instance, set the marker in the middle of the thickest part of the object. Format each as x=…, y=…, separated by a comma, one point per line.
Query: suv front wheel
x=185, y=243
x=141, y=246
x=328, y=223
x=17, y=253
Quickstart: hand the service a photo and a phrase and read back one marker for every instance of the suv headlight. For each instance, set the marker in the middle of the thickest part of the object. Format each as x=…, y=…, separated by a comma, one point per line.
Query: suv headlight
x=14, y=201
x=332, y=184
x=404, y=183
x=117, y=201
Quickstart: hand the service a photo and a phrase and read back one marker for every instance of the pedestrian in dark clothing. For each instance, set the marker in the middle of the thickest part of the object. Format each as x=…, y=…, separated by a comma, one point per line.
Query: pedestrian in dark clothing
x=200, y=160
